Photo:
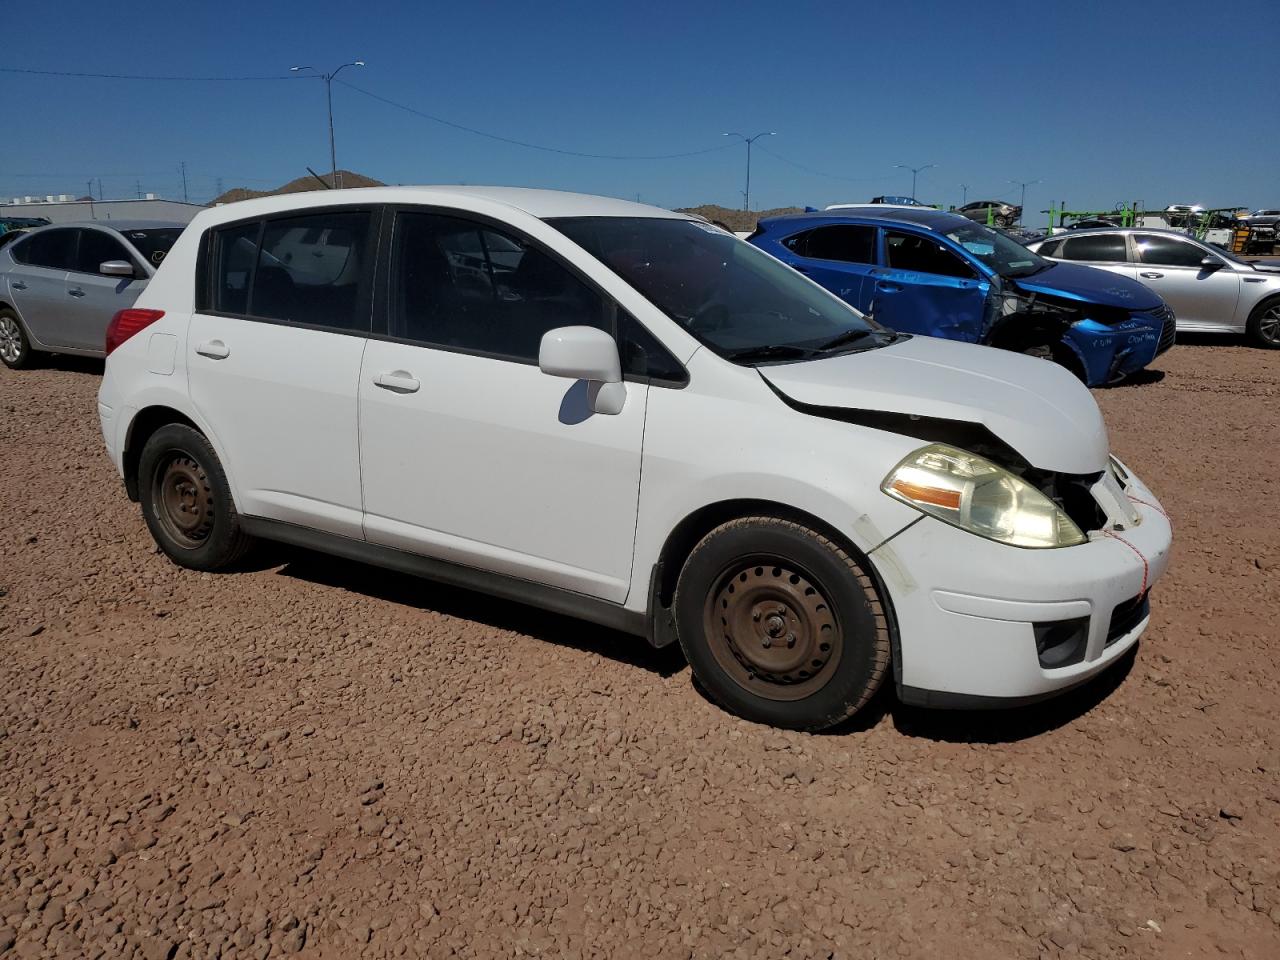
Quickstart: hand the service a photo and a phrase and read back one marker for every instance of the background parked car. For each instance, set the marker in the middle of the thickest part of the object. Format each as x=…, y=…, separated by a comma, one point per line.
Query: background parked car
x=942, y=275
x=1000, y=213
x=1208, y=288
x=61, y=285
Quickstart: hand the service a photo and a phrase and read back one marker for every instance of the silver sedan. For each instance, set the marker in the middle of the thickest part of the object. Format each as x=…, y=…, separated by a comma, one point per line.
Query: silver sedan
x=1209, y=289
x=60, y=285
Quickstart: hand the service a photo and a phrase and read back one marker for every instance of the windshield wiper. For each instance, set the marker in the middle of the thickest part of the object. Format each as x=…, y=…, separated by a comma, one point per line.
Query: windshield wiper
x=768, y=351
x=840, y=340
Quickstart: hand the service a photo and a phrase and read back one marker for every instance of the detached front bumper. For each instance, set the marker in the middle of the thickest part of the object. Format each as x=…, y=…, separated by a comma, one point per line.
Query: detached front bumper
x=985, y=624
x=1111, y=352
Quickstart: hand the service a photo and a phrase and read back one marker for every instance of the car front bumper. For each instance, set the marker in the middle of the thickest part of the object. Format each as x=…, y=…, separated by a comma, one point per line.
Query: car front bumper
x=970, y=611
x=1111, y=352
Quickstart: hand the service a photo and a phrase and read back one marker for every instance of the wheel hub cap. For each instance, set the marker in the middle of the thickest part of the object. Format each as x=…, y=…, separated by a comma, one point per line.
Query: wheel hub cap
x=10, y=342
x=184, y=501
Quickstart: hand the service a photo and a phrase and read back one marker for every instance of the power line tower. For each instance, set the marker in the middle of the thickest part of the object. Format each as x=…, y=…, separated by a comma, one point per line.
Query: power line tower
x=138, y=188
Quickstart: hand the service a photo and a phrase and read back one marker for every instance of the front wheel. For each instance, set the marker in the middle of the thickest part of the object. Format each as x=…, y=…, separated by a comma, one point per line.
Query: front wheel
x=1264, y=325
x=186, y=500
x=15, y=347
x=780, y=624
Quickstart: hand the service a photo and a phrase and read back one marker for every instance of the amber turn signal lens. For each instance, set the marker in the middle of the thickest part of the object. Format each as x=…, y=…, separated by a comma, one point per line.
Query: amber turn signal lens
x=939, y=497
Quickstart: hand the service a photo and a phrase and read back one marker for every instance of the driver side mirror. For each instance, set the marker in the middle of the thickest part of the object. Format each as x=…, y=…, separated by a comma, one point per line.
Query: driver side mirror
x=116, y=268
x=585, y=353
x=1210, y=262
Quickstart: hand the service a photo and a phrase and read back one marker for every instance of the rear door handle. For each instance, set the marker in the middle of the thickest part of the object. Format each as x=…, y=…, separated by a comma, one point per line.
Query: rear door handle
x=214, y=350
x=1150, y=275
x=17, y=284
x=398, y=381
x=76, y=292
x=884, y=286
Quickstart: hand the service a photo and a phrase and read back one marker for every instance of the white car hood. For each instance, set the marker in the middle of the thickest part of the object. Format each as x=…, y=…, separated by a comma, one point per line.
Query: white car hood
x=1037, y=407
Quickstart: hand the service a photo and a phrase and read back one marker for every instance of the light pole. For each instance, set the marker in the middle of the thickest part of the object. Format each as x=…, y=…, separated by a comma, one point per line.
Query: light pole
x=964, y=195
x=1023, y=202
x=328, y=91
x=915, y=171
x=746, y=194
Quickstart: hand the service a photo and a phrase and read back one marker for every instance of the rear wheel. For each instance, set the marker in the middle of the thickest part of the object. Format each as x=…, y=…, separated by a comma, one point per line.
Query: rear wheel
x=186, y=500
x=1264, y=325
x=15, y=347
x=780, y=624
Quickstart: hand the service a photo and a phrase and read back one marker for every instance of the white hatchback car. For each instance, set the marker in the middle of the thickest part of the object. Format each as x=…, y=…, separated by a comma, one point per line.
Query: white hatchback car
x=631, y=416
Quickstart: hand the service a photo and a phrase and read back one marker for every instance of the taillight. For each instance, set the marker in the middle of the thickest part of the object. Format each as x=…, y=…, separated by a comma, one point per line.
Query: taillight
x=128, y=322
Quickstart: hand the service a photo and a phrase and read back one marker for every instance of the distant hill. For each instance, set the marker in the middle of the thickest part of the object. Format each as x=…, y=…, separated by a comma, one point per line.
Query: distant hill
x=301, y=185
x=737, y=219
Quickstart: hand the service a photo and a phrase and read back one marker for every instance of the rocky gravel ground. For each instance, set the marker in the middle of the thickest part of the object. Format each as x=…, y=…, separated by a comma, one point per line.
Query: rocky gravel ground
x=313, y=758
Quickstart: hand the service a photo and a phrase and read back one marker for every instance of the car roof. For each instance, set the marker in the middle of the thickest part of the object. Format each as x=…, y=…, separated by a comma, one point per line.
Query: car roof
x=925, y=217
x=543, y=204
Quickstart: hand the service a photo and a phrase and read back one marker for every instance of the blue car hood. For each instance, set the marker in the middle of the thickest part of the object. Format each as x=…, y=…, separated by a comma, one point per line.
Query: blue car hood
x=1074, y=281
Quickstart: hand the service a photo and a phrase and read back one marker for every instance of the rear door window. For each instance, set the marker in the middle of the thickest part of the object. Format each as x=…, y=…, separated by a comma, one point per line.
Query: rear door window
x=1168, y=251
x=848, y=243
x=96, y=248
x=910, y=251
x=1101, y=248
x=52, y=249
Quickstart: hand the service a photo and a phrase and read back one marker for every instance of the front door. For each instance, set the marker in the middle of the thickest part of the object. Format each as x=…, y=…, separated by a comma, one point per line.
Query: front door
x=1202, y=297
x=273, y=361
x=923, y=287
x=91, y=299
x=469, y=452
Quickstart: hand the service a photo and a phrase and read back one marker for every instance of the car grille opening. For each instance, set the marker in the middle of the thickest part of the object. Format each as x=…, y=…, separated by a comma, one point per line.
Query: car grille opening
x=1126, y=616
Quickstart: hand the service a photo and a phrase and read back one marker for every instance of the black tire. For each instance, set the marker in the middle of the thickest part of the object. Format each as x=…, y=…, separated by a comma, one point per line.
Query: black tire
x=186, y=500
x=15, y=345
x=1264, y=324
x=780, y=624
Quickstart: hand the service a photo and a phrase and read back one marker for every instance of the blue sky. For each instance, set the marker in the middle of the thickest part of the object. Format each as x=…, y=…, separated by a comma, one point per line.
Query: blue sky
x=1104, y=102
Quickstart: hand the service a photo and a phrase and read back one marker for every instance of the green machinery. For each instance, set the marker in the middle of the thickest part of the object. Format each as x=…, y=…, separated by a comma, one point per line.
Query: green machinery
x=1198, y=224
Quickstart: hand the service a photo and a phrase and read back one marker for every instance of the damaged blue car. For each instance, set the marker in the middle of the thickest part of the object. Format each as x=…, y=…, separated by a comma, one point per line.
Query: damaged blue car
x=942, y=275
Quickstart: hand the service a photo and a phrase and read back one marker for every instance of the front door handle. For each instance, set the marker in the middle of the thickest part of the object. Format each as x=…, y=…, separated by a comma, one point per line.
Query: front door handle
x=214, y=350
x=398, y=381
x=76, y=292
x=884, y=286
x=17, y=284
x=1150, y=275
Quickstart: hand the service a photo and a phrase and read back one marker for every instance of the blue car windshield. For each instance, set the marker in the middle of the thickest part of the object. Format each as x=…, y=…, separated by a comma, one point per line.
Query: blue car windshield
x=1001, y=254
x=738, y=300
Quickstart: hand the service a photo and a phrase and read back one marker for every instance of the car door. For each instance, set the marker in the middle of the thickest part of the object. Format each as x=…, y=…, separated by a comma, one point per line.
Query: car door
x=273, y=363
x=1203, y=298
x=839, y=257
x=924, y=287
x=38, y=282
x=469, y=453
x=91, y=298
x=1106, y=251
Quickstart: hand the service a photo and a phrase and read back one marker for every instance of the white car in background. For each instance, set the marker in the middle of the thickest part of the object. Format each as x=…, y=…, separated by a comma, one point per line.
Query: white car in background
x=1209, y=289
x=631, y=416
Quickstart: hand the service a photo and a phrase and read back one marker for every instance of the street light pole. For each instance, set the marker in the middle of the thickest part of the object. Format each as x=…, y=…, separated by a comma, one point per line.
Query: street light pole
x=915, y=171
x=328, y=91
x=746, y=194
x=1022, y=204
x=964, y=195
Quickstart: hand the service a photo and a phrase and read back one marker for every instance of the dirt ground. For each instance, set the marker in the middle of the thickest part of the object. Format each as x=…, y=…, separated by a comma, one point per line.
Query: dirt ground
x=319, y=759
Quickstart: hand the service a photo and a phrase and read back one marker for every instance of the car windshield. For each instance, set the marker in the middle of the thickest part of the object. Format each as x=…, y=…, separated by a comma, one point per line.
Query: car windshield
x=738, y=300
x=1001, y=254
x=154, y=242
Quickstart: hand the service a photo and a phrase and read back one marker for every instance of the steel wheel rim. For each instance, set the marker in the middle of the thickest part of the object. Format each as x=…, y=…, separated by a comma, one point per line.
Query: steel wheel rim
x=771, y=627
x=1269, y=324
x=182, y=499
x=10, y=339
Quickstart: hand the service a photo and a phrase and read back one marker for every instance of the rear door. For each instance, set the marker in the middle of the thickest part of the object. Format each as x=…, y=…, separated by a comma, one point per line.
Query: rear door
x=924, y=287
x=93, y=299
x=1202, y=297
x=1106, y=251
x=38, y=282
x=273, y=359
x=840, y=257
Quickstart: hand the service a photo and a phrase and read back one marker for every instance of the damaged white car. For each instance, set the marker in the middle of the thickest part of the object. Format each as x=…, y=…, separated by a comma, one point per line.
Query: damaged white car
x=628, y=415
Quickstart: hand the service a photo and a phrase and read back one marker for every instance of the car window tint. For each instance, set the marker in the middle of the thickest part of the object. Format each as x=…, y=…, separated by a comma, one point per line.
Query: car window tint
x=1106, y=247
x=849, y=243
x=54, y=249
x=644, y=356
x=153, y=243
x=235, y=251
x=1049, y=248
x=315, y=270
x=910, y=251
x=464, y=285
x=96, y=248
x=1168, y=251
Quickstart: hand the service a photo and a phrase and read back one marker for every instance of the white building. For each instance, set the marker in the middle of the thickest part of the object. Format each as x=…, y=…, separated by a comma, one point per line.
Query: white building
x=66, y=209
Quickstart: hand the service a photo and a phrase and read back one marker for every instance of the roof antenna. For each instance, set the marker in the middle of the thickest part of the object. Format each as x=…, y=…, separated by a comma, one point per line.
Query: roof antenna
x=320, y=178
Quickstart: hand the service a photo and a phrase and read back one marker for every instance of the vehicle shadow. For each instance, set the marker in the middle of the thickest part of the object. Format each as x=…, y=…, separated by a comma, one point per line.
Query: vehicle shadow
x=70, y=364
x=410, y=591
x=1233, y=340
x=1141, y=378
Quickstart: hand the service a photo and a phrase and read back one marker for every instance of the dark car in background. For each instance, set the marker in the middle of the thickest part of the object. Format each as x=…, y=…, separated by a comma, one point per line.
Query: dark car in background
x=942, y=275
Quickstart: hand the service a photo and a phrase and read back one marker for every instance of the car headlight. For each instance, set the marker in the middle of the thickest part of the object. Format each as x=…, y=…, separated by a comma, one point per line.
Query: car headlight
x=974, y=494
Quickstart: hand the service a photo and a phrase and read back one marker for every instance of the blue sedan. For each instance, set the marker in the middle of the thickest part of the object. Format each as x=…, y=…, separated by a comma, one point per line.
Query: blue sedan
x=938, y=274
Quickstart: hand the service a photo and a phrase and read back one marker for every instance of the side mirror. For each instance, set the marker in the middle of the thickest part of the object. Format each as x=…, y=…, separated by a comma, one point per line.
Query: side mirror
x=116, y=268
x=1210, y=262
x=585, y=353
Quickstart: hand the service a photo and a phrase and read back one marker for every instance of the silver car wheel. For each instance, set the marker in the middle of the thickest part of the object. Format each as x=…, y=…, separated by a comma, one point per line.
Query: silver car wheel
x=1269, y=323
x=11, y=340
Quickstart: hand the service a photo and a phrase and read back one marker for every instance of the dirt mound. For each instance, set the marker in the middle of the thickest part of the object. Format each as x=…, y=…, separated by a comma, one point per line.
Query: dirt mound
x=737, y=220
x=346, y=178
